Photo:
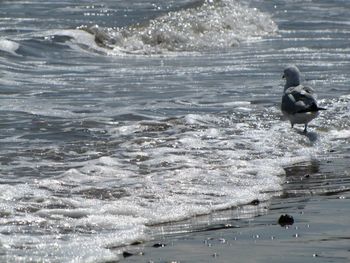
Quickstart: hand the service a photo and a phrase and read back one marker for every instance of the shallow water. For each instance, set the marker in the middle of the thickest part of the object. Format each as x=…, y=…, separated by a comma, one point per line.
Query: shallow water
x=164, y=111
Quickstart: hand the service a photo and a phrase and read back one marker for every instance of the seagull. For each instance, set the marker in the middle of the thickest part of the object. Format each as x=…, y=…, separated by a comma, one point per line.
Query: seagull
x=299, y=105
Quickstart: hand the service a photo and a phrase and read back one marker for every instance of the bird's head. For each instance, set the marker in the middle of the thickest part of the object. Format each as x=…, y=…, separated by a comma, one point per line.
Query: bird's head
x=292, y=76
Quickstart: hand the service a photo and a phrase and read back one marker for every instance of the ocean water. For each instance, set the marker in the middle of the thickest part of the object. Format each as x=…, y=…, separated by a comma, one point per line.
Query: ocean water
x=118, y=117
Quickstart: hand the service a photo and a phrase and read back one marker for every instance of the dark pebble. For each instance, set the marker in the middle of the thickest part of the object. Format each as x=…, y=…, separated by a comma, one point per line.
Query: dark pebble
x=255, y=202
x=136, y=243
x=127, y=254
x=286, y=220
x=159, y=245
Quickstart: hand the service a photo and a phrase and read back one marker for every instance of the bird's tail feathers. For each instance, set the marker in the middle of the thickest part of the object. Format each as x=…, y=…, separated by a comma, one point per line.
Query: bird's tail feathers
x=312, y=108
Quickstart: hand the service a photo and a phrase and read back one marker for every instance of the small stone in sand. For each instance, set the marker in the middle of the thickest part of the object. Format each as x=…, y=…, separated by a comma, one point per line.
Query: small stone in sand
x=286, y=220
x=136, y=243
x=159, y=245
x=255, y=202
x=127, y=254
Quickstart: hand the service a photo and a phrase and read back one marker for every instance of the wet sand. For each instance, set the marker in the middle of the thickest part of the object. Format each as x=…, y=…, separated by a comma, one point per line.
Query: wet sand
x=315, y=195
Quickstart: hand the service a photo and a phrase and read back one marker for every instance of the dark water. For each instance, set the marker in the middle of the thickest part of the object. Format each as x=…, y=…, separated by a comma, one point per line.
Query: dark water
x=116, y=116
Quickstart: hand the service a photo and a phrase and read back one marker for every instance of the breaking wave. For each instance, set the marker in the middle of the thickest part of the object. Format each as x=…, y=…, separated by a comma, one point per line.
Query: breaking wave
x=210, y=25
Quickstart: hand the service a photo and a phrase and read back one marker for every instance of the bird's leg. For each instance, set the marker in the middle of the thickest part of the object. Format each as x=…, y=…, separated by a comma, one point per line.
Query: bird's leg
x=305, y=129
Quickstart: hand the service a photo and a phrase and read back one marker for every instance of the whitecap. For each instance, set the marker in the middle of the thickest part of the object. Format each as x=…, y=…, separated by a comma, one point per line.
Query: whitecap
x=9, y=46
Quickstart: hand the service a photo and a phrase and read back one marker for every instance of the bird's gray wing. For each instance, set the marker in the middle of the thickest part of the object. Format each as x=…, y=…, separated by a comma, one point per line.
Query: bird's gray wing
x=299, y=99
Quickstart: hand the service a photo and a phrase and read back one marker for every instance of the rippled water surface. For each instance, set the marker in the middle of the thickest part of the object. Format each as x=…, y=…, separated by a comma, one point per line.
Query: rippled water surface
x=118, y=116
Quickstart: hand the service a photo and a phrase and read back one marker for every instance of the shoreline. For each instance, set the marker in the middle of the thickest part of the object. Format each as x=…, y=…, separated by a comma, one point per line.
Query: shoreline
x=320, y=231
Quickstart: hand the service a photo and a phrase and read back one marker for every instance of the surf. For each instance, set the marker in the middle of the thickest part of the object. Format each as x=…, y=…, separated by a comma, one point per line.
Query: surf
x=212, y=24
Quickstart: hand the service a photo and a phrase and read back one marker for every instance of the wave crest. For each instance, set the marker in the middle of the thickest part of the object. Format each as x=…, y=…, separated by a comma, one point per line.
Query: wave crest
x=211, y=25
